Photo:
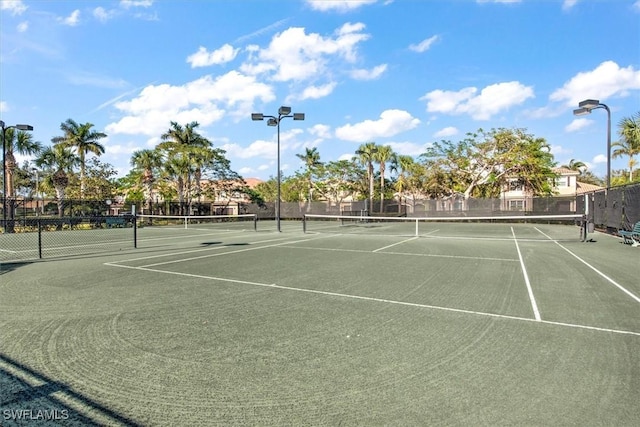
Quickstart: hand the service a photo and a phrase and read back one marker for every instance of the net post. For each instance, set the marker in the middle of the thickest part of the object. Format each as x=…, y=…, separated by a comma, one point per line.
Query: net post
x=417, y=234
x=304, y=224
x=186, y=221
x=255, y=222
x=39, y=238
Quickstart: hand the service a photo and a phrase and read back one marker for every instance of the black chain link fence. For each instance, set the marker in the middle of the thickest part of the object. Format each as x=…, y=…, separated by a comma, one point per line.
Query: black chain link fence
x=34, y=229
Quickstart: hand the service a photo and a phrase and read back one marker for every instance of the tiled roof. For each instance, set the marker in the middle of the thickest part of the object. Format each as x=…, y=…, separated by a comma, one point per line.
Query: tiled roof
x=566, y=171
x=583, y=187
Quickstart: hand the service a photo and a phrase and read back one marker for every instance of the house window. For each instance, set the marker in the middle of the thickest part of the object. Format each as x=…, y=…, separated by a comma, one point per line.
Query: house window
x=516, y=185
x=516, y=205
x=562, y=181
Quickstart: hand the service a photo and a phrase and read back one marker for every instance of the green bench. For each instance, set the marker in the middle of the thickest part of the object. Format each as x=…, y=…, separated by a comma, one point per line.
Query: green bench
x=631, y=237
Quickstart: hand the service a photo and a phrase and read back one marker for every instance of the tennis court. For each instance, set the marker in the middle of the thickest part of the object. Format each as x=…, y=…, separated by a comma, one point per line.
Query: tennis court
x=351, y=322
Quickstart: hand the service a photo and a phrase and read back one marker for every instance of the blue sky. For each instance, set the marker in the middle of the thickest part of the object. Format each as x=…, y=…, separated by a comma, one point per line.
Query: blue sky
x=404, y=73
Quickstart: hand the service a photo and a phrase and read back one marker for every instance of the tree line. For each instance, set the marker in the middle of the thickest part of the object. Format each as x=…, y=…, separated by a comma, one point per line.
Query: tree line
x=185, y=166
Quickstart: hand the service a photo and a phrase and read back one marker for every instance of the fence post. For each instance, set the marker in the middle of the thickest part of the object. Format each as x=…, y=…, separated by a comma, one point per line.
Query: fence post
x=39, y=223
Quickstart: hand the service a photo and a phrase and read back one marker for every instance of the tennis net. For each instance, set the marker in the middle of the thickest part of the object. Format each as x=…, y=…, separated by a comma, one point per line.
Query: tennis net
x=534, y=227
x=201, y=222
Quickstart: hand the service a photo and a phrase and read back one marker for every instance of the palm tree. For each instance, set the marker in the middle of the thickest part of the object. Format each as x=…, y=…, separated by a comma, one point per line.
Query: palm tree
x=58, y=161
x=179, y=142
x=16, y=142
x=366, y=157
x=84, y=140
x=383, y=155
x=575, y=165
x=629, y=144
x=147, y=160
x=401, y=164
x=311, y=159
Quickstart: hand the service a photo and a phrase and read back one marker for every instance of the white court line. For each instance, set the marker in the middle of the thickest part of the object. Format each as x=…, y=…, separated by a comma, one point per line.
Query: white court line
x=233, y=252
x=381, y=300
x=194, y=250
x=534, y=306
x=607, y=278
x=394, y=244
x=402, y=253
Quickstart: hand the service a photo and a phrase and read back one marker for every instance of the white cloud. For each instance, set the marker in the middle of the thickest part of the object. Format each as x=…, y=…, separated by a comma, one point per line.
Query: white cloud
x=408, y=148
x=636, y=6
x=374, y=73
x=600, y=158
x=568, y=4
x=424, y=45
x=71, y=20
x=201, y=100
x=578, y=124
x=320, y=131
x=391, y=122
x=259, y=148
x=103, y=15
x=315, y=92
x=15, y=7
x=337, y=5
x=135, y=3
x=23, y=27
x=605, y=81
x=296, y=55
x=444, y=132
x=4, y=107
x=203, y=58
x=245, y=170
x=492, y=100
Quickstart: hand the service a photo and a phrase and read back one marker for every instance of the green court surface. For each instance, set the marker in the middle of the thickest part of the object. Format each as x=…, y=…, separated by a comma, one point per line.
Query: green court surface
x=463, y=324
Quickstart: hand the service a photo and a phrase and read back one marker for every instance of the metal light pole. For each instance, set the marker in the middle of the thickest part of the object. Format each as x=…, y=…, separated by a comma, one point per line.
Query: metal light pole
x=585, y=107
x=4, y=167
x=283, y=113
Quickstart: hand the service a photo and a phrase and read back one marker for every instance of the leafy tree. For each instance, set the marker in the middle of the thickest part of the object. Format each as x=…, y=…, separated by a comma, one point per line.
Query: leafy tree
x=83, y=140
x=340, y=179
x=482, y=163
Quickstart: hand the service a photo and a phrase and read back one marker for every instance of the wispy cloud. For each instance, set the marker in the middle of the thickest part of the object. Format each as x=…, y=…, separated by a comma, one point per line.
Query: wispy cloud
x=119, y=97
x=424, y=45
x=261, y=31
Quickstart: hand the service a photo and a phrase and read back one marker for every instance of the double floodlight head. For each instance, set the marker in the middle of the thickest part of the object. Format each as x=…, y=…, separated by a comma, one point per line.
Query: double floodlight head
x=586, y=106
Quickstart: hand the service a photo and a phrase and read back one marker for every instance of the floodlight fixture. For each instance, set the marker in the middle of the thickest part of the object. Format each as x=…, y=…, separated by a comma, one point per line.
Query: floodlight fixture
x=257, y=116
x=589, y=104
x=585, y=107
x=272, y=122
x=298, y=116
x=284, y=111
